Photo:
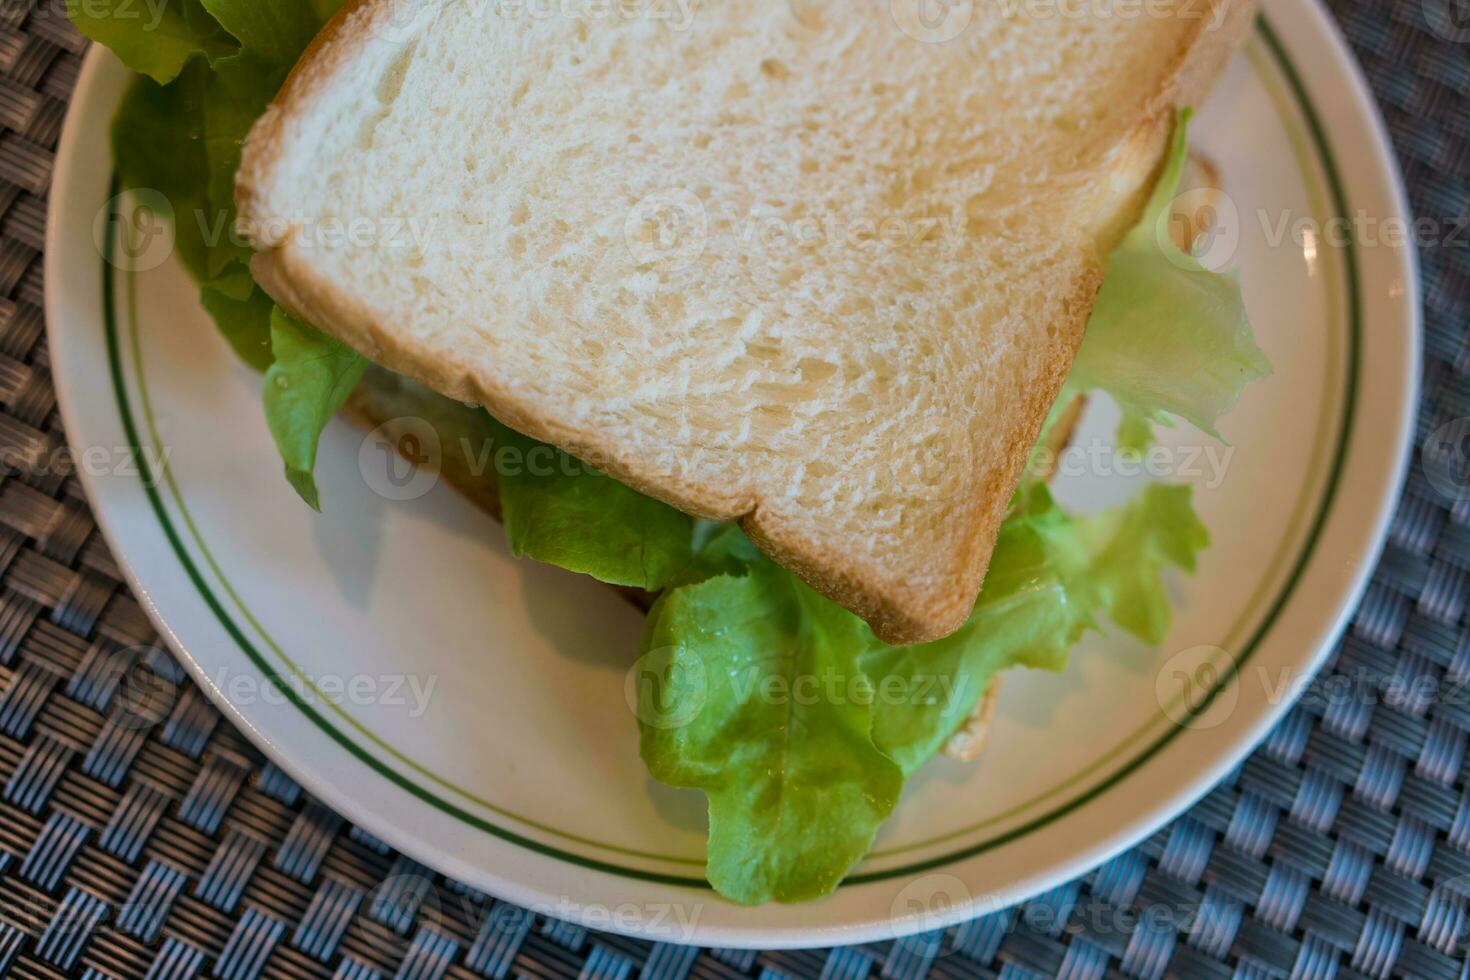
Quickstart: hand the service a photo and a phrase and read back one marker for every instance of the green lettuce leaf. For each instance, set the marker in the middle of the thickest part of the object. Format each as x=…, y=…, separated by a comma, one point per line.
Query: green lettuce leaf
x=272, y=34
x=1168, y=337
x=752, y=686
x=245, y=323
x=1051, y=578
x=153, y=39
x=1128, y=549
x=157, y=147
x=183, y=140
x=309, y=375
x=1135, y=435
x=562, y=512
x=1026, y=614
x=719, y=549
x=771, y=718
x=233, y=98
x=306, y=385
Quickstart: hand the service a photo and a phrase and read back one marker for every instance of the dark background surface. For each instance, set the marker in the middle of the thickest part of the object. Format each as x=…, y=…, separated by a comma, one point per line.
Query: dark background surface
x=171, y=848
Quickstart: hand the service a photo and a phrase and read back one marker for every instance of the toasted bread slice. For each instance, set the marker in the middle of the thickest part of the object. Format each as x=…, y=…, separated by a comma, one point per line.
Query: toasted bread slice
x=818, y=268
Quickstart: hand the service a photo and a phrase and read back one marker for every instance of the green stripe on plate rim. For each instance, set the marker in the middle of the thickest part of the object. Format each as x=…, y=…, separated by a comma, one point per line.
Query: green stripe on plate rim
x=1227, y=675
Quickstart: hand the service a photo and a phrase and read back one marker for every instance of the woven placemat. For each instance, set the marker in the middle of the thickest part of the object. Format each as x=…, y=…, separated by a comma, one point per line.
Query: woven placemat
x=140, y=835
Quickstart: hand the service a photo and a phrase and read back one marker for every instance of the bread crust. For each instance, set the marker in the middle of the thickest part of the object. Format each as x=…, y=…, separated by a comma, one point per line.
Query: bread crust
x=899, y=614
x=379, y=401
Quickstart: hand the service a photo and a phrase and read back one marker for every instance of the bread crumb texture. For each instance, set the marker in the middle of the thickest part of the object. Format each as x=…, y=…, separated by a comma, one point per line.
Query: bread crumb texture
x=817, y=266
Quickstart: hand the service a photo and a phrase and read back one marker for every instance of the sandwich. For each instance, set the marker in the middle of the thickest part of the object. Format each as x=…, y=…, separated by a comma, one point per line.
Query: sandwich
x=792, y=300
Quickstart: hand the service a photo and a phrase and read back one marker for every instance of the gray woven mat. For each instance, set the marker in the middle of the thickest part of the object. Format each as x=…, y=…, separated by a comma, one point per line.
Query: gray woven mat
x=141, y=836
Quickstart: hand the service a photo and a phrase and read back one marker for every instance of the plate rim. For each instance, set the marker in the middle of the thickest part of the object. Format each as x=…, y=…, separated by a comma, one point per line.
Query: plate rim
x=762, y=937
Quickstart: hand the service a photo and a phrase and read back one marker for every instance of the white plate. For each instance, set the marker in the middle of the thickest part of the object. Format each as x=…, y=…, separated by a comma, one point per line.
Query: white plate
x=469, y=710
